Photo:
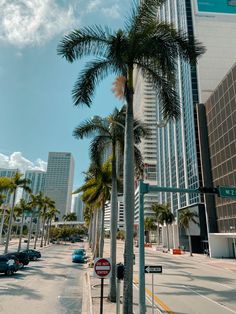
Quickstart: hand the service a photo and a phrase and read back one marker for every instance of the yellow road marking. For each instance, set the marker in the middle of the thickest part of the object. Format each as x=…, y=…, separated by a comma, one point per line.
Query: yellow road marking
x=157, y=300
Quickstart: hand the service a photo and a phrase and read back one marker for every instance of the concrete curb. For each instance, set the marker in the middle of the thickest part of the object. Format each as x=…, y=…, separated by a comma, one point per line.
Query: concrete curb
x=87, y=305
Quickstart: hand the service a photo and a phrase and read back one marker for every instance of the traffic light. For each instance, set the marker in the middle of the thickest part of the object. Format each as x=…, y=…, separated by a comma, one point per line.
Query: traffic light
x=208, y=190
x=120, y=269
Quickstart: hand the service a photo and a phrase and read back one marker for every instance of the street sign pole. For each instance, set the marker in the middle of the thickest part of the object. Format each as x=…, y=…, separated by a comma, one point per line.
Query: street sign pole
x=118, y=297
x=142, y=306
x=101, y=300
x=152, y=293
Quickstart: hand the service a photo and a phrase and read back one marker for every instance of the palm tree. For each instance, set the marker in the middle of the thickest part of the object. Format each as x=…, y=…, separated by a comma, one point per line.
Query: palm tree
x=2, y=210
x=16, y=182
x=149, y=225
x=47, y=204
x=166, y=217
x=20, y=209
x=96, y=190
x=69, y=217
x=38, y=203
x=150, y=46
x=51, y=214
x=109, y=133
x=157, y=209
x=185, y=218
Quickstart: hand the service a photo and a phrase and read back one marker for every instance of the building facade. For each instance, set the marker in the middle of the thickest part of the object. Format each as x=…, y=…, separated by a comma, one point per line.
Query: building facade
x=78, y=208
x=37, y=182
x=221, y=125
x=59, y=180
x=120, y=216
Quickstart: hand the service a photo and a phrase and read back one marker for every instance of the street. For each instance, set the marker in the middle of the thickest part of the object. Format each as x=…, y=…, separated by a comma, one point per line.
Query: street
x=52, y=284
x=188, y=285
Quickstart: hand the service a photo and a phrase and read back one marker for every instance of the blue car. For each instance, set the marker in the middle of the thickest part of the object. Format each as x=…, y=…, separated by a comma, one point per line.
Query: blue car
x=79, y=256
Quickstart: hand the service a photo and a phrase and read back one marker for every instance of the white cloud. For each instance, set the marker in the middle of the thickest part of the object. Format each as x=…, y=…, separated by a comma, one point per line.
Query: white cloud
x=113, y=11
x=17, y=161
x=93, y=5
x=33, y=22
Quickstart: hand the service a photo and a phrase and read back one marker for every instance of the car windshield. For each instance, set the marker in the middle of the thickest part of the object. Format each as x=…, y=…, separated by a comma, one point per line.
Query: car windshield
x=79, y=252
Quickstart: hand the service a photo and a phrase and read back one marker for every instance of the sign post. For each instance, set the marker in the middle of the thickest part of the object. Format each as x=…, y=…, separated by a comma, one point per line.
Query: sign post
x=102, y=270
x=151, y=269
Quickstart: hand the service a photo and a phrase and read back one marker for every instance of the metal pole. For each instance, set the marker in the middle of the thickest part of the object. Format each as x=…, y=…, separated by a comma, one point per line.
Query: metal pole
x=142, y=306
x=118, y=297
x=101, y=301
x=152, y=294
x=234, y=248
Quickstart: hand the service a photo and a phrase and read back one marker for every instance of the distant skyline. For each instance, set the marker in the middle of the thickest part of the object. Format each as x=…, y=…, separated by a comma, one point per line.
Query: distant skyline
x=36, y=110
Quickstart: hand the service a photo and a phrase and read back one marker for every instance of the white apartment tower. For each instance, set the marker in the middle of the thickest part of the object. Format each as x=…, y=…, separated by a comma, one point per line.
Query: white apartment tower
x=78, y=208
x=8, y=173
x=59, y=180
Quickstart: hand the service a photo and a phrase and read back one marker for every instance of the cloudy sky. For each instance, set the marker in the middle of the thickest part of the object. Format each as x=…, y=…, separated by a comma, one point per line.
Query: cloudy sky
x=36, y=111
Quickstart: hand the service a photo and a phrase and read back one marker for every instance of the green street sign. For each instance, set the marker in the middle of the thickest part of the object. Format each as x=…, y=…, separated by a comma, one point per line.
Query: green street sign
x=227, y=191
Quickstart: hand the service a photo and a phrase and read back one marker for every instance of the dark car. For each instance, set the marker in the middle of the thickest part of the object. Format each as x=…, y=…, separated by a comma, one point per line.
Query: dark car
x=32, y=254
x=8, y=265
x=21, y=256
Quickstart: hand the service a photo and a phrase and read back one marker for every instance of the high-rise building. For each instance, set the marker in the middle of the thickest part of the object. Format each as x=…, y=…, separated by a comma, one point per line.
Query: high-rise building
x=78, y=208
x=120, y=216
x=59, y=180
x=37, y=182
x=8, y=173
x=220, y=111
x=178, y=158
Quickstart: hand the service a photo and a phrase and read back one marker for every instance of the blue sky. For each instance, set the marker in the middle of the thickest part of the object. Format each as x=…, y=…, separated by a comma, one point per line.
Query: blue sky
x=37, y=114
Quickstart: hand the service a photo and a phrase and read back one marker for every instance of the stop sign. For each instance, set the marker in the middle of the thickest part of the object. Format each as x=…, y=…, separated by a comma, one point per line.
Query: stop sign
x=102, y=267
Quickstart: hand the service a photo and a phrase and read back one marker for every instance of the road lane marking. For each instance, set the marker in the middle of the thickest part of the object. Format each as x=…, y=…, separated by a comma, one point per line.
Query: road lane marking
x=203, y=296
x=157, y=300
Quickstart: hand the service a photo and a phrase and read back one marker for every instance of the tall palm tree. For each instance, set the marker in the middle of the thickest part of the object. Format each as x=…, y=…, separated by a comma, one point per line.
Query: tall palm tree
x=2, y=211
x=96, y=190
x=166, y=217
x=47, y=204
x=21, y=209
x=109, y=133
x=145, y=44
x=51, y=214
x=16, y=182
x=157, y=209
x=38, y=203
x=69, y=217
x=185, y=217
x=149, y=225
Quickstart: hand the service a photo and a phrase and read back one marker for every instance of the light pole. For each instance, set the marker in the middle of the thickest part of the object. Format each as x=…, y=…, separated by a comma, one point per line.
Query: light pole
x=233, y=228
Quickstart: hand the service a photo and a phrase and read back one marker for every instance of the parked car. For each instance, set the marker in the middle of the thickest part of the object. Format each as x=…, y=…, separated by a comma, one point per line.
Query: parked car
x=8, y=265
x=33, y=255
x=21, y=256
x=79, y=256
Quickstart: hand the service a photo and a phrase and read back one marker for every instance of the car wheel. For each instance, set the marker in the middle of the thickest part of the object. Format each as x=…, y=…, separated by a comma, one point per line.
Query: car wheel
x=34, y=258
x=7, y=272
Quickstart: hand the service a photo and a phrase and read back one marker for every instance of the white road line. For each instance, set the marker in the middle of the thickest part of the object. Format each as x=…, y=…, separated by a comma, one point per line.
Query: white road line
x=203, y=296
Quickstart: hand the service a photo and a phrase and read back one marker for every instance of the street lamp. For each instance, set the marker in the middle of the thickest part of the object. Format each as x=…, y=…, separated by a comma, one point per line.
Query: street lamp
x=233, y=228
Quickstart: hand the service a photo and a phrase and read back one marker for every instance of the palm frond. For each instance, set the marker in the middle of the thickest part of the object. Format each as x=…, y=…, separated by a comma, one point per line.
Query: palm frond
x=168, y=95
x=94, y=72
x=89, y=128
x=139, y=165
x=97, y=147
x=91, y=40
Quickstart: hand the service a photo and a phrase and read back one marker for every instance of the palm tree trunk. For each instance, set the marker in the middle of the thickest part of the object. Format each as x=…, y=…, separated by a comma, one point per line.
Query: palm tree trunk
x=37, y=232
x=46, y=233
x=129, y=199
x=42, y=235
x=190, y=243
x=158, y=234
x=113, y=228
x=49, y=229
x=90, y=231
x=21, y=231
x=101, y=244
x=10, y=222
x=94, y=231
x=168, y=240
x=30, y=231
x=2, y=223
x=97, y=233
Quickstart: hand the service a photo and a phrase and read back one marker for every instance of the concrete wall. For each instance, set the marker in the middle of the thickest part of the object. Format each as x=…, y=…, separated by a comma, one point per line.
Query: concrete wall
x=220, y=246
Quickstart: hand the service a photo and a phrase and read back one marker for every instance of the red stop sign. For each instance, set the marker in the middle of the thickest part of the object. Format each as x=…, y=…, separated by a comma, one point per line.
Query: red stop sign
x=102, y=267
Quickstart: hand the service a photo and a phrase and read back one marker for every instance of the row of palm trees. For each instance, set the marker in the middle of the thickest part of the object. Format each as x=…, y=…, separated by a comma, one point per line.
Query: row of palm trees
x=39, y=208
x=144, y=44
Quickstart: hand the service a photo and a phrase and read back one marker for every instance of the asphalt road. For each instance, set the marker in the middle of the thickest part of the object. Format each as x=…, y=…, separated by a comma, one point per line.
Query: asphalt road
x=51, y=285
